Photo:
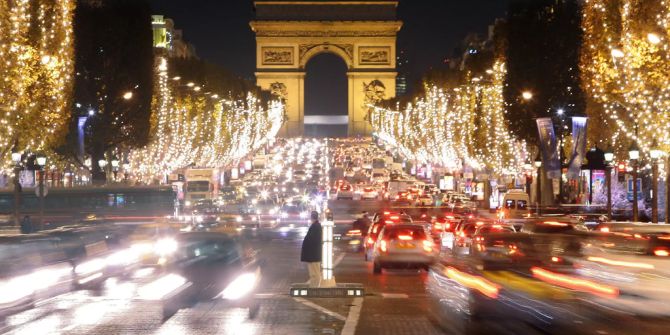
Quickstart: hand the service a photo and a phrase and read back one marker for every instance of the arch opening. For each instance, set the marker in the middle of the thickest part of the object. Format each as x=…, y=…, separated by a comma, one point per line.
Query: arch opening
x=326, y=96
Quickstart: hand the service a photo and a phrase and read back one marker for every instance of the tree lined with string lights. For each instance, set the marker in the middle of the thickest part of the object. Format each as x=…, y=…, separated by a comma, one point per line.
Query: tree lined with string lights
x=190, y=127
x=36, y=51
x=456, y=126
x=626, y=69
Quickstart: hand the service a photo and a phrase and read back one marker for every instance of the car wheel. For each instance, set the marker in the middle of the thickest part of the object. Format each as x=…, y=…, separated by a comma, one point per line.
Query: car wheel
x=377, y=268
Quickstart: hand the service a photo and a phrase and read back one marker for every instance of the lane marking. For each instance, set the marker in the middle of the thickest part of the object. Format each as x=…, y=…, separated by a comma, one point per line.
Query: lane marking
x=395, y=296
x=353, y=316
x=338, y=260
x=320, y=309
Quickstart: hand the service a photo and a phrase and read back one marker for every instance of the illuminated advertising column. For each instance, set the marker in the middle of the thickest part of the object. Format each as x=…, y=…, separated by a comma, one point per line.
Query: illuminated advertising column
x=327, y=278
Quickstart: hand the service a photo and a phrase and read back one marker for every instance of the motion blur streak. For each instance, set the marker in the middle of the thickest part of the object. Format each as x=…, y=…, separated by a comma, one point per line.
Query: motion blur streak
x=161, y=287
x=480, y=284
x=621, y=263
x=575, y=283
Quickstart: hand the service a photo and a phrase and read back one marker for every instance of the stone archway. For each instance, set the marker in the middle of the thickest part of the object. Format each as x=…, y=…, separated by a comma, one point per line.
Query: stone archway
x=362, y=33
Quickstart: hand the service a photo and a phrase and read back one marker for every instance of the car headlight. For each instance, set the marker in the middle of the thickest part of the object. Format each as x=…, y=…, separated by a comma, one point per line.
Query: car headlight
x=15, y=289
x=303, y=215
x=89, y=267
x=165, y=246
x=238, y=218
x=240, y=286
x=272, y=211
x=199, y=219
x=284, y=215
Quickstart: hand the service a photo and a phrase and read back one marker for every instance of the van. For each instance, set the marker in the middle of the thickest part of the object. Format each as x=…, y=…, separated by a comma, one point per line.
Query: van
x=514, y=205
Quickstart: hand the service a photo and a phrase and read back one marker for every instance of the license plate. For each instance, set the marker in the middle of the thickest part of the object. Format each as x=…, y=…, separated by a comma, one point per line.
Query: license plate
x=404, y=245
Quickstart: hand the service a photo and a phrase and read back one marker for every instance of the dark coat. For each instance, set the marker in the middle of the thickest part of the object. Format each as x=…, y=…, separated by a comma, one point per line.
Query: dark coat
x=311, y=245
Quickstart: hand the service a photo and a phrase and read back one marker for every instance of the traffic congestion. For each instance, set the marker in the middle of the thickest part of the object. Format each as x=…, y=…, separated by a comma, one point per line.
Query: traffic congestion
x=437, y=260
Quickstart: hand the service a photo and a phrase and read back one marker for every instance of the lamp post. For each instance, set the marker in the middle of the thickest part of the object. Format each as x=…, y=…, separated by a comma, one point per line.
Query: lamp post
x=16, y=159
x=102, y=164
x=667, y=191
x=126, y=170
x=655, y=154
x=634, y=155
x=609, y=157
x=41, y=163
x=538, y=196
x=115, y=166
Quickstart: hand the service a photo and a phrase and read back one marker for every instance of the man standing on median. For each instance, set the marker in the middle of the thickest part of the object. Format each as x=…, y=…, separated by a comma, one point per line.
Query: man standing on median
x=311, y=250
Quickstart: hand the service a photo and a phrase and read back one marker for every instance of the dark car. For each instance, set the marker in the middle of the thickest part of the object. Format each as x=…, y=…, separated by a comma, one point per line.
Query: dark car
x=208, y=266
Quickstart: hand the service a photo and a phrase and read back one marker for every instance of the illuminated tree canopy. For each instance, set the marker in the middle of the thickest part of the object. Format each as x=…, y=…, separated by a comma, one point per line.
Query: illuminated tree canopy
x=195, y=128
x=626, y=69
x=36, y=52
x=456, y=126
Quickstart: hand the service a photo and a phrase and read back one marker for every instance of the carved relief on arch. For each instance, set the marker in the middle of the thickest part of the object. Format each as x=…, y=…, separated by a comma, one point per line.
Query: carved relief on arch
x=307, y=51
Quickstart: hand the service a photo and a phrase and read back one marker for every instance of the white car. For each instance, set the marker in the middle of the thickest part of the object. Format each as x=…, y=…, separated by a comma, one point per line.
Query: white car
x=369, y=193
x=424, y=200
x=345, y=192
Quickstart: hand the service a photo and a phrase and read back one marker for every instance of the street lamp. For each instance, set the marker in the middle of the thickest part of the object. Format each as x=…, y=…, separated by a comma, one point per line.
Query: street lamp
x=16, y=159
x=655, y=154
x=653, y=38
x=128, y=95
x=102, y=163
x=538, y=196
x=41, y=163
x=609, y=157
x=115, y=166
x=634, y=155
x=527, y=95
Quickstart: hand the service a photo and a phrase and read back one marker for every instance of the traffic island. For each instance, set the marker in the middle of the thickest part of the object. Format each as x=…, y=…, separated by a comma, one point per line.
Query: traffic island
x=341, y=290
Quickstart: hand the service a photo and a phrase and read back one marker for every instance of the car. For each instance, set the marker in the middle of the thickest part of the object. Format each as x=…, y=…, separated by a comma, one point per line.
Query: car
x=402, y=198
x=379, y=221
x=424, y=200
x=345, y=191
x=208, y=266
x=369, y=193
x=404, y=245
x=294, y=211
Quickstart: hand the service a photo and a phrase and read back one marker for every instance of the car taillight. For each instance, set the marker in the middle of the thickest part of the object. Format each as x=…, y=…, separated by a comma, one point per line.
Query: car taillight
x=479, y=239
x=404, y=237
x=661, y=252
x=427, y=246
x=395, y=217
x=389, y=222
x=605, y=229
x=354, y=232
x=447, y=226
x=386, y=213
x=556, y=259
x=397, y=197
x=370, y=241
x=382, y=246
x=423, y=216
x=438, y=225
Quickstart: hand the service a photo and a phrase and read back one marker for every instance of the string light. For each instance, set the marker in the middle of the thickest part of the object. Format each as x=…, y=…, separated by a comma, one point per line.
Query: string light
x=626, y=68
x=36, y=65
x=196, y=129
x=454, y=128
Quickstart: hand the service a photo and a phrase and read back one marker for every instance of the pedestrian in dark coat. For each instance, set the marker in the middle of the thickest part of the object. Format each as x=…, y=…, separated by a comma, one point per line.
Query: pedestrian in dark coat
x=311, y=250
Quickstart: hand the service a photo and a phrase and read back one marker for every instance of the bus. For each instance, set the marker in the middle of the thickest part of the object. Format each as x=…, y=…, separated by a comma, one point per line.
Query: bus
x=65, y=205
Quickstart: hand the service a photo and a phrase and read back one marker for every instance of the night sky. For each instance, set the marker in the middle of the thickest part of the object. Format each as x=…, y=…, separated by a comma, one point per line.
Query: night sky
x=432, y=29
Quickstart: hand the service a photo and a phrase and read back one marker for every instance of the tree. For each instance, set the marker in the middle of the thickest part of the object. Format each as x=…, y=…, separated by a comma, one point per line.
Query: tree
x=35, y=74
x=114, y=62
x=543, y=41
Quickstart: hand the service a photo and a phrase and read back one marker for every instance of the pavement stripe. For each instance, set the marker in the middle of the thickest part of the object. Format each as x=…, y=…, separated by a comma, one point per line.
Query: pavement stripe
x=338, y=260
x=320, y=309
x=395, y=296
x=353, y=316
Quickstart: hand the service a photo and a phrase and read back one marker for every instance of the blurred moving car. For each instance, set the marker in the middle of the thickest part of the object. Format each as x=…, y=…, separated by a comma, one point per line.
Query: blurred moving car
x=208, y=266
x=379, y=221
x=404, y=246
x=32, y=268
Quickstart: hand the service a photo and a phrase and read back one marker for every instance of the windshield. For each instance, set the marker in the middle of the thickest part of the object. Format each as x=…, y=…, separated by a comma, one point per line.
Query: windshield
x=197, y=186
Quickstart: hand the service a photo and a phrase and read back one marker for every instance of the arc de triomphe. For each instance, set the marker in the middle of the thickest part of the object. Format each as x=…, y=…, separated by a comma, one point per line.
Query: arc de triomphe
x=362, y=33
